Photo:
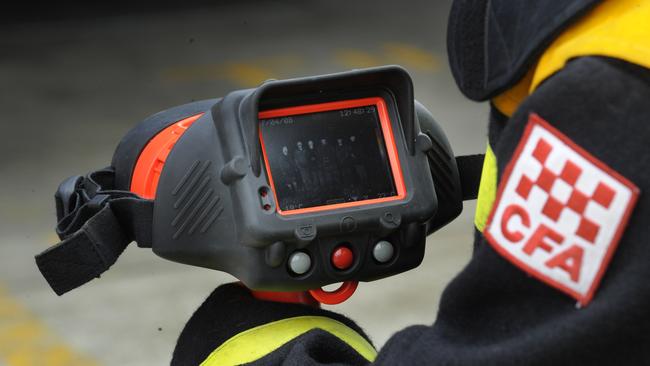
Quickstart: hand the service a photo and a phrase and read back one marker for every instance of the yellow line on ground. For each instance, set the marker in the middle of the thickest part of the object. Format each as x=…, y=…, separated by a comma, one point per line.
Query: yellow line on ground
x=412, y=56
x=26, y=341
x=247, y=74
x=241, y=73
x=250, y=73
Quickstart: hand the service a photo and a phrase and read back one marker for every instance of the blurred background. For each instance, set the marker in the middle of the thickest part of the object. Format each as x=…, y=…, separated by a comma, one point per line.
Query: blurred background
x=74, y=81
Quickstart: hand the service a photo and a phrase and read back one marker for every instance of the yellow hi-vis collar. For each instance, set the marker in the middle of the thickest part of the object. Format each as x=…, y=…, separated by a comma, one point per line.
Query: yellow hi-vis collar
x=255, y=343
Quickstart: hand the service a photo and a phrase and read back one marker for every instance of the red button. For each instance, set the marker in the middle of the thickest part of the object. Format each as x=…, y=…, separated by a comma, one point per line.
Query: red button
x=342, y=257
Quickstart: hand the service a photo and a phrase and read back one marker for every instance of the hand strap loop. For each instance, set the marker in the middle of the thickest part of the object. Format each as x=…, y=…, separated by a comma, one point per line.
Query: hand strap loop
x=96, y=223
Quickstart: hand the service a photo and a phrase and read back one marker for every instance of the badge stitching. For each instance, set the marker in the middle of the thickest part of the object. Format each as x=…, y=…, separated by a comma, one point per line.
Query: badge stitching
x=575, y=200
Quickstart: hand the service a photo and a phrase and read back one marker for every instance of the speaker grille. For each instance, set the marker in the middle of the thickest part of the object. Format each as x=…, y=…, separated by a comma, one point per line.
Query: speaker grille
x=196, y=204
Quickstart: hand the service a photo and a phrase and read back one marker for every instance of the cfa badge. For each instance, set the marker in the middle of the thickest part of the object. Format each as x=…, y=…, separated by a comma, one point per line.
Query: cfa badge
x=559, y=212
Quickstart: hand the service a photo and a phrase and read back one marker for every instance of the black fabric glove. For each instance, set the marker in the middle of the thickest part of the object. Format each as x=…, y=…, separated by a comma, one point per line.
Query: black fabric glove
x=231, y=309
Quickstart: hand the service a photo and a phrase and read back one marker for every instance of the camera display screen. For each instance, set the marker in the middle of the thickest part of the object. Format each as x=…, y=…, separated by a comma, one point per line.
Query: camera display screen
x=327, y=157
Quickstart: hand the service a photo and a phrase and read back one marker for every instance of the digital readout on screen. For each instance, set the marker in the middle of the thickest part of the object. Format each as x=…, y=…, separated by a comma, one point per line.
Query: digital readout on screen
x=327, y=157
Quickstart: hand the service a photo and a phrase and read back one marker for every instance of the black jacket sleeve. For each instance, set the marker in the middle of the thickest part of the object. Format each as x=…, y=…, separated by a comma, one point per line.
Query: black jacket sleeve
x=494, y=313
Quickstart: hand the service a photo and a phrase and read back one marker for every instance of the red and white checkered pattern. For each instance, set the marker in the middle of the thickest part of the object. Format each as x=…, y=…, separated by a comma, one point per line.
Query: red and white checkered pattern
x=571, y=197
x=560, y=211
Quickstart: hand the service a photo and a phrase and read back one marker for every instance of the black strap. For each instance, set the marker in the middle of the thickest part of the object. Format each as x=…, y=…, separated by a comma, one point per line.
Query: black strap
x=96, y=223
x=470, y=168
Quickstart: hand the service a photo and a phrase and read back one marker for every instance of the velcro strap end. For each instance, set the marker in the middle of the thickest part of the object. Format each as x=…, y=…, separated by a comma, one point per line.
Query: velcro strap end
x=71, y=263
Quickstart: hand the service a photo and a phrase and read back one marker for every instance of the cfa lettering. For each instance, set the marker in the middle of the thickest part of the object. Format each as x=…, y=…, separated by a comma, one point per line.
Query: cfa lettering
x=568, y=259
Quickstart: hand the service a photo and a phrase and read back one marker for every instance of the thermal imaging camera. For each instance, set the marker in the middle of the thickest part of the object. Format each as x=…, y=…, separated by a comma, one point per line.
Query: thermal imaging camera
x=290, y=186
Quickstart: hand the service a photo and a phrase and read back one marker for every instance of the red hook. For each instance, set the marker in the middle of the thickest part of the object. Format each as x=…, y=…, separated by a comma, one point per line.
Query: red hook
x=337, y=296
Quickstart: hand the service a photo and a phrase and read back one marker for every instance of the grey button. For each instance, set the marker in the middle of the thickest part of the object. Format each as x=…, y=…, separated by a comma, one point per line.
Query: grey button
x=383, y=251
x=299, y=263
x=423, y=142
x=348, y=224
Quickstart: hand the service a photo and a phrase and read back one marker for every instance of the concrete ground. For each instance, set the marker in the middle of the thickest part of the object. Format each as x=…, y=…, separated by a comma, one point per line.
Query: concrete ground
x=72, y=88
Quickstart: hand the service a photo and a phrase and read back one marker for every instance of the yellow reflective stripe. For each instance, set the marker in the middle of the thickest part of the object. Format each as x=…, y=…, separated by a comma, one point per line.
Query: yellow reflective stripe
x=487, y=190
x=258, y=342
x=508, y=101
x=619, y=29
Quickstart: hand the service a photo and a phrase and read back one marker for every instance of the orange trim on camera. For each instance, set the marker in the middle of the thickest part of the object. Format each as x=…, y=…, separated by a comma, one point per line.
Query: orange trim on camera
x=151, y=161
x=389, y=140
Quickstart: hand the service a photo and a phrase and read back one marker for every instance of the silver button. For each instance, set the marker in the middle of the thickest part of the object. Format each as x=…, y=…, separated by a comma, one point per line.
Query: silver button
x=299, y=263
x=383, y=251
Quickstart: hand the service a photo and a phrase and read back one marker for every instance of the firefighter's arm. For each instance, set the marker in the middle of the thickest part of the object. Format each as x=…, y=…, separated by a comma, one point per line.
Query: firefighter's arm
x=232, y=327
x=526, y=299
